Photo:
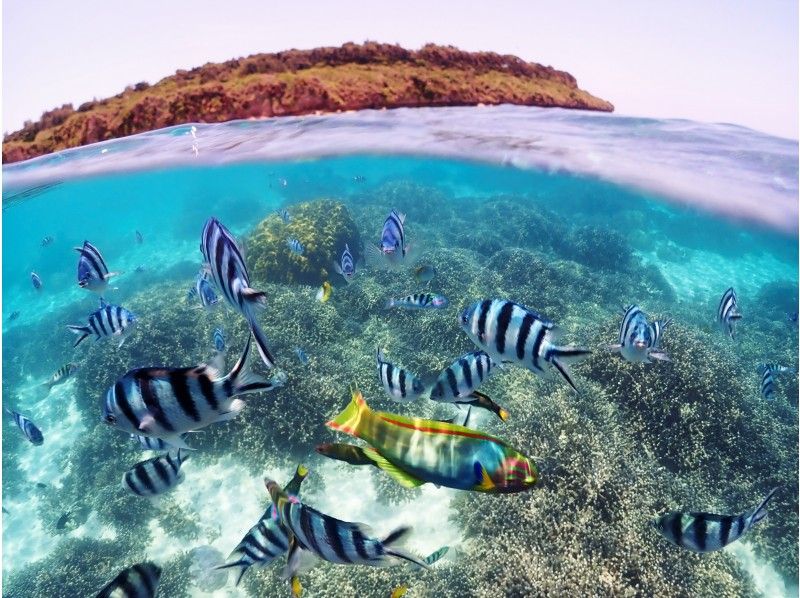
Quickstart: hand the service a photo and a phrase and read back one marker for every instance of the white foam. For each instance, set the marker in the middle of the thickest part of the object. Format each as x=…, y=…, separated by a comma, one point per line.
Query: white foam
x=767, y=580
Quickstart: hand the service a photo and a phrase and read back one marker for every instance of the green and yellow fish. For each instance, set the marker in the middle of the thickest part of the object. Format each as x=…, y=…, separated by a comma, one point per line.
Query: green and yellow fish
x=414, y=451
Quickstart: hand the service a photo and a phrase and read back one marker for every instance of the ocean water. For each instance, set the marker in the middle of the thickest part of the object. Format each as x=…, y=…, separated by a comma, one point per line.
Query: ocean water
x=574, y=215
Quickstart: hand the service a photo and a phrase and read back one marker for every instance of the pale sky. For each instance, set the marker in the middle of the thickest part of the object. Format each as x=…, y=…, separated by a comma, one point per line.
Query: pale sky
x=716, y=61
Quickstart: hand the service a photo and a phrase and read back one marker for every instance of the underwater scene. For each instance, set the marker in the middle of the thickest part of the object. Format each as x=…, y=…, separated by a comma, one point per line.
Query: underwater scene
x=545, y=353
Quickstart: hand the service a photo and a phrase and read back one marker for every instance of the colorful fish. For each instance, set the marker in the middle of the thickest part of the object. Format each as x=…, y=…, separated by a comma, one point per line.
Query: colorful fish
x=325, y=291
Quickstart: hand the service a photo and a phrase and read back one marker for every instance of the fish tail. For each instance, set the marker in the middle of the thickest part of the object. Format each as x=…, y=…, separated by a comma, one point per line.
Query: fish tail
x=397, y=536
x=389, y=304
x=243, y=380
x=482, y=400
x=84, y=331
x=349, y=420
x=240, y=563
x=562, y=357
x=761, y=510
x=262, y=344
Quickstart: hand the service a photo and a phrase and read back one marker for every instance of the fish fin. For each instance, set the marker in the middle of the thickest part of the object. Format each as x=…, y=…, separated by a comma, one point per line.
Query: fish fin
x=235, y=408
x=216, y=365
x=147, y=423
x=103, y=302
x=735, y=316
x=403, y=478
x=761, y=510
x=352, y=415
x=84, y=331
x=243, y=380
x=616, y=348
x=112, y=274
x=262, y=344
x=240, y=563
x=486, y=484
x=396, y=537
x=254, y=297
x=561, y=357
x=482, y=400
x=389, y=304
x=660, y=355
x=402, y=217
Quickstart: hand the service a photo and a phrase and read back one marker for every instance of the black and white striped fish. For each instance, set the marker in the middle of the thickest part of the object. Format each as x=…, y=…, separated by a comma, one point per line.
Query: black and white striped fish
x=29, y=429
x=230, y=275
x=706, y=532
x=219, y=340
x=400, y=384
x=459, y=381
x=393, y=235
x=203, y=291
x=284, y=215
x=727, y=312
x=511, y=333
x=638, y=340
x=93, y=273
x=419, y=301
x=346, y=267
x=139, y=581
x=155, y=476
x=61, y=375
x=109, y=320
x=768, y=372
x=166, y=402
x=36, y=281
x=332, y=539
x=295, y=246
x=267, y=539
x=153, y=444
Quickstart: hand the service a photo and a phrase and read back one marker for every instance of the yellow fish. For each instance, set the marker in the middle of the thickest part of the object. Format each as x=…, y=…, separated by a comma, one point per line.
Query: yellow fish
x=399, y=591
x=324, y=293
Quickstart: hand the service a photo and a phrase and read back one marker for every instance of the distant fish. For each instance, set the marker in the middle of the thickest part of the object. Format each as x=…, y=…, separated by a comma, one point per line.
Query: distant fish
x=424, y=273
x=93, y=273
x=140, y=269
x=400, y=384
x=139, y=581
x=13, y=316
x=638, y=340
x=302, y=357
x=791, y=317
x=706, y=532
x=29, y=429
x=727, y=312
x=768, y=372
x=36, y=281
x=109, y=320
x=48, y=240
x=295, y=246
x=459, y=381
x=324, y=292
x=63, y=520
x=284, y=215
x=230, y=275
x=139, y=238
x=155, y=476
x=359, y=178
x=219, y=340
x=346, y=266
x=419, y=301
x=149, y=443
x=203, y=291
x=61, y=375
x=165, y=402
x=511, y=333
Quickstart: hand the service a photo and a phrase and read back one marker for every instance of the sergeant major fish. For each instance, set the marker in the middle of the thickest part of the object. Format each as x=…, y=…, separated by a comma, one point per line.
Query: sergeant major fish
x=203, y=290
x=400, y=384
x=459, y=381
x=109, y=320
x=638, y=340
x=155, y=476
x=419, y=301
x=166, y=402
x=139, y=581
x=219, y=340
x=29, y=429
x=93, y=273
x=768, y=372
x=727, y=312
x=346, y=267
x=230, y=275
x=36, y=281
x=511, y=333
x=61, y=375
x=153, y=444
x=295, y=246
x=284, y=215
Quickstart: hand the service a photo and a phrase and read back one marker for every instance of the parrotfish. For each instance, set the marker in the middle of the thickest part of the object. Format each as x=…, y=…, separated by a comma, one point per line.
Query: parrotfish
x=414, y=451
x=728, y=313
x=638, y=340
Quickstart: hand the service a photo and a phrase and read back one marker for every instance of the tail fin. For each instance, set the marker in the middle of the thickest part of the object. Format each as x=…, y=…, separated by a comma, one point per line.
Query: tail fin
x=293, y=487
x=349, y=419
x=761, y=510
x=84, y=331
x=261, y=342
x=389, y=304
x=481, y=400
x=240, y=563
x=397, y=536
x=562, y=357
x=243, y=380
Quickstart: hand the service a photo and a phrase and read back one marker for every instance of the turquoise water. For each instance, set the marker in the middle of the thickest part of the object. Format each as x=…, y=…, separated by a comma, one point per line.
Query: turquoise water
x=573, y=215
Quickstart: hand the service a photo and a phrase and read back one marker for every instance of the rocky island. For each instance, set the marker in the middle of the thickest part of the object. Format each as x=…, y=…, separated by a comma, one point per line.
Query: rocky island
x=295, y=82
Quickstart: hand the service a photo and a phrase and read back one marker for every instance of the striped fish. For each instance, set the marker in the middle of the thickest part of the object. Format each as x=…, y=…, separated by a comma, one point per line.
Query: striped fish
x=29, y=429
x=36, y=281
x=295, y=246
x=139, y=581
x=203, y=291
x=219, y=340
x=166, y=402
x=230, y=275
x=153, y=444
x=727, y=312
x=393, y=235
x=419, y=301
x=267, y=539
x=400, y=384
x=768, y=372
x=511, y=333
x=457, y=383
x=346, y=266
x=638, y=340
x=332, y=539
x=61, y=375
x=156, y=475
x=109, y=320
x=707, y=532
x=93, y=273
x=436, y=555
x=415, y=451
x=283, y=214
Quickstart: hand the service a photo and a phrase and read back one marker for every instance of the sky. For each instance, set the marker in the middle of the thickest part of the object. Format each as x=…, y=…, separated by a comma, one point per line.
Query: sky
x=733, y=61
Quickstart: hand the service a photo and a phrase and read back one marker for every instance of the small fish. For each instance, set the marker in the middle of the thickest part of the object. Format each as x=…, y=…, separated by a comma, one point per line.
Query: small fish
x=36, y=281
x=399, y=591
x=768, y=372
x=155, y=476
x=29, y=429
x=419, y=301
x=93, y=273
x=284, y=215
x=203, y=290
x=109, y=320
x=302, y=357
x=393, y=236
x=346, y=266
x=61, y=375
x=47, y=241
x=400, y=384
x=139, y=238
x=791, y=317
x=638, y=340
x=219, y=340
x=727, y=312
x=424, y=273
x=459, y=381
x=164, y=402
x=230, y=275
x=707, y=532
x=41, y=485
x=139, y=269
x=324, y=292
x=511, y=333
x=139, y=581
x=154, y=444
x=13, y=316
x=359, y=178
x=295, y=246
x=63, y=520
